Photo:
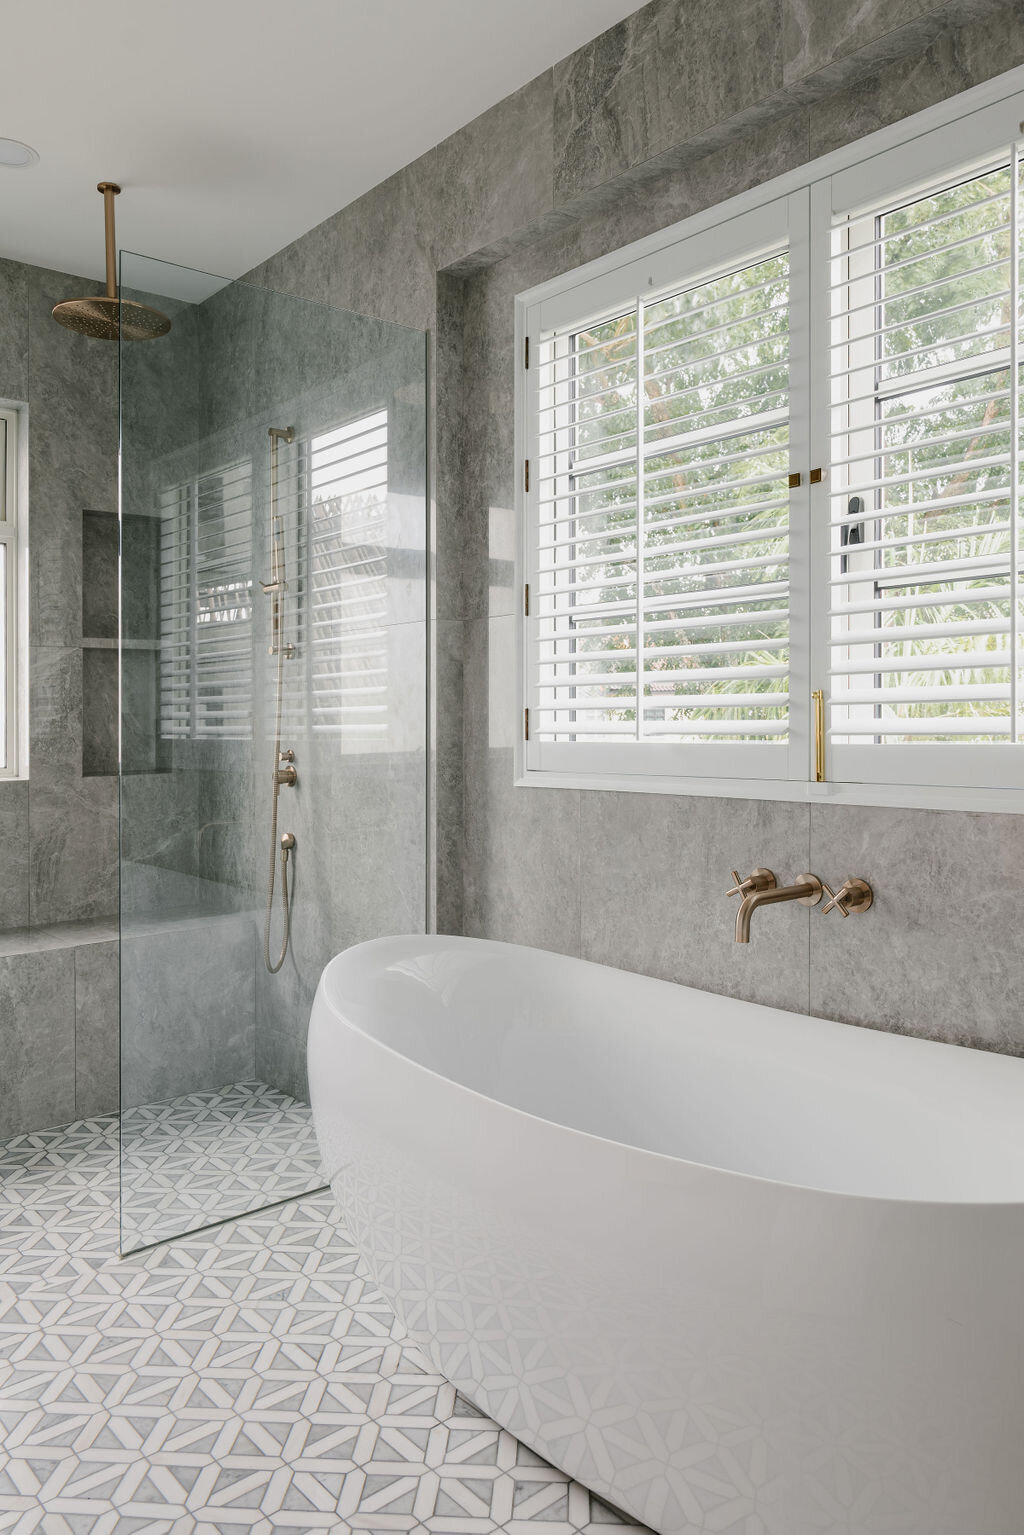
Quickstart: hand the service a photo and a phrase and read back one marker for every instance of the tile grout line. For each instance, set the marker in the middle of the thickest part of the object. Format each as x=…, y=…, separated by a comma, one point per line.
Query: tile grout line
x=274, y=1344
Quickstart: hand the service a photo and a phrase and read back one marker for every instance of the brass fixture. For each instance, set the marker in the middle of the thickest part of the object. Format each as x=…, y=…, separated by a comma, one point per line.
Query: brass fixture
x=105, y=317
x=818, y=698
x=761, y=879
x=855, y=896
x=806, y=888
x=287, y=845
x=794, y=480
x=277, y=583
x=284, y=761
x=287, y=774
x=815, y=477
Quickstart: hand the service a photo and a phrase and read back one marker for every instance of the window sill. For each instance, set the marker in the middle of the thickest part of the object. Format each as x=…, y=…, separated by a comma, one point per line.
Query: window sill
x=886, y=796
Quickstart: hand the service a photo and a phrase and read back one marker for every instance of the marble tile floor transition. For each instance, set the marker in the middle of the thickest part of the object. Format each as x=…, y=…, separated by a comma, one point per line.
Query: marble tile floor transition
x=207, y=1156
x=246, y=1377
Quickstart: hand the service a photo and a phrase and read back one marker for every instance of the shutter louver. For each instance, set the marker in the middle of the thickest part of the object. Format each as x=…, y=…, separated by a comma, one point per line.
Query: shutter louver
x=662, y=573
x=347, y=530
x=924, y=551
x=206, y=593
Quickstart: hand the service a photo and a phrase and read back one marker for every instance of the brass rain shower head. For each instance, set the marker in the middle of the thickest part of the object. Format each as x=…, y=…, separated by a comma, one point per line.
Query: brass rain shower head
x=105, y=317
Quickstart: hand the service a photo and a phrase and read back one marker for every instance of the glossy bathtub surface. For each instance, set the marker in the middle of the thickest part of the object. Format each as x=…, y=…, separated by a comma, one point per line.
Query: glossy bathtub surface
x=736, y=1269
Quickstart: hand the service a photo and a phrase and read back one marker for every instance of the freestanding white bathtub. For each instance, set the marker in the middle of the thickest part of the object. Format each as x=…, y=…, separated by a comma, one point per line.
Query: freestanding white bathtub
x=735, y=1269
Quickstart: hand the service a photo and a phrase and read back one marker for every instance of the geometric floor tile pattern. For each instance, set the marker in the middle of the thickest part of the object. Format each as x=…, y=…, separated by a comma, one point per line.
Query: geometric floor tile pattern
x=208, y=1156
x=244, y=1378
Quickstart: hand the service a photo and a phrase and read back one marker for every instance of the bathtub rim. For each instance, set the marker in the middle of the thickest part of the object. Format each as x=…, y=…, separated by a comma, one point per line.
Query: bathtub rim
x=901, y=1201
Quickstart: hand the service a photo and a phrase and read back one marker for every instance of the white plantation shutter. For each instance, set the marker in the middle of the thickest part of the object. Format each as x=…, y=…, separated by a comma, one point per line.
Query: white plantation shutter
x=206, y=595
x=348, y=570
x=774, y=460
x=924, y=613
x=660, y=591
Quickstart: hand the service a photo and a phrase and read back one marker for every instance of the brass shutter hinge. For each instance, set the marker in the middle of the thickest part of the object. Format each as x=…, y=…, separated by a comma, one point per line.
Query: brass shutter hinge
x=526, y=474
x=526, y=600
x=526, y=353
x=526, y=724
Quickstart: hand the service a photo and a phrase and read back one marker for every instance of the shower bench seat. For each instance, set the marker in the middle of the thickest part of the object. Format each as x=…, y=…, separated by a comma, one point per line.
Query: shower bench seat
x=58, y=1024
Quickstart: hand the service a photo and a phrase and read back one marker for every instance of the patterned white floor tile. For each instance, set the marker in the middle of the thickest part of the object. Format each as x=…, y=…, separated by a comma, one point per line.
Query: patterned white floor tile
x=247, y=1377
x=200, y=1158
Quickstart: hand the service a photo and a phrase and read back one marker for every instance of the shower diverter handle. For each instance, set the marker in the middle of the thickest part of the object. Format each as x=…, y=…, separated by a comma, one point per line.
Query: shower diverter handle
x=287, y=774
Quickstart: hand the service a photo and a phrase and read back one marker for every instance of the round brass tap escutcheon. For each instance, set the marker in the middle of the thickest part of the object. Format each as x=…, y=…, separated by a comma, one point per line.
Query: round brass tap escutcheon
x=814, y=889
x=857, y=895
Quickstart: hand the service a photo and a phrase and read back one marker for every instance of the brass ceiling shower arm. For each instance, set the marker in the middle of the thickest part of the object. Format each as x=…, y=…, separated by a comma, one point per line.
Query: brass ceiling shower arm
x=110, y=190
x=107, y=317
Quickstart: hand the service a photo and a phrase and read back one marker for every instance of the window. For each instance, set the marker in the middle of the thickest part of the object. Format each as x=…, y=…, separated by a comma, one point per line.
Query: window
x=347, y=523
x=13, y=605
x=925, y=634
x=690, y=582
x=333, y=498
x=206, y=597
x=660, y=581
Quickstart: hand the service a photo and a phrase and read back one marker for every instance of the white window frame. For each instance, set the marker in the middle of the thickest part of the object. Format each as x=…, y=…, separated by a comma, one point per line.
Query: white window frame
x=968, y=129
x=14, y=538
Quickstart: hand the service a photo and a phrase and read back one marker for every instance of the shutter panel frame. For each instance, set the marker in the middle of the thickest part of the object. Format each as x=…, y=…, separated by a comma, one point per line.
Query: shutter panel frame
x=739, y=247
x=899, y=460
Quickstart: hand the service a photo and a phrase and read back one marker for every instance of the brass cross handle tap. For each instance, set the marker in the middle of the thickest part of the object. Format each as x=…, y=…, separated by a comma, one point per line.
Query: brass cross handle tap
x=855, y=896
x=761, y=879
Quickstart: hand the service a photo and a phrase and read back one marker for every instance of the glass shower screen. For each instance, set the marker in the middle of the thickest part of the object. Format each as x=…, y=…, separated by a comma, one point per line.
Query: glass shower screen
x=271, y=667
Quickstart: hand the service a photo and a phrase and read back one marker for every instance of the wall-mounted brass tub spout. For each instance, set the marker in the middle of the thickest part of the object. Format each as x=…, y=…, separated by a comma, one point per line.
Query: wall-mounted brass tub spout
x=806, y=888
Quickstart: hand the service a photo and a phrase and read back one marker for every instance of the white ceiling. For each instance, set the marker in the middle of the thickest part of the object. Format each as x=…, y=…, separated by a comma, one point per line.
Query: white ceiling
x=233, y=126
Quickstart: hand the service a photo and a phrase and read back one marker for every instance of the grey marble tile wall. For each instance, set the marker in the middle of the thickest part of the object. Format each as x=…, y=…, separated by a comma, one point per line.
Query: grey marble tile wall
x=188, y=1001
x=58, y=993
x=97, y=1064
x=58, y=1025
x=680, y=106
x=64, y=865
x=201, y=831
x=358, y=813
x=685, y=103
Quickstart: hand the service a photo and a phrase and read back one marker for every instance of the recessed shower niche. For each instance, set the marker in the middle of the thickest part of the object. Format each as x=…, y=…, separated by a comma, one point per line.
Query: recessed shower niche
x=143, y=749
